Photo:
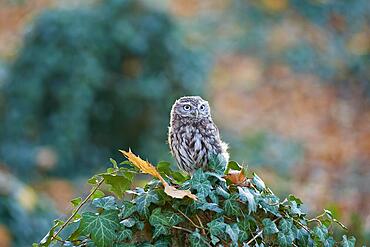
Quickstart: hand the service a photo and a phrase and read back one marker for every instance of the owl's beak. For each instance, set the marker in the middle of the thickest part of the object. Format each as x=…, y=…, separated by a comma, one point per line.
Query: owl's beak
x=196, y=113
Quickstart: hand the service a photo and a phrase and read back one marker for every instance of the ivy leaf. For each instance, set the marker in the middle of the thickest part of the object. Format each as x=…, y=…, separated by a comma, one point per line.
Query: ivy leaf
x=114, y=163
x=285, y=225
x=247, y=196
x=220, y=191
x=46, y=241
x=329, y=242
x=217, y=227
x=295, y=199
x=164, y=168
x=101, y=227
x=294, y=209
x=162, y=243
x=124, y=234
x=348, y=242
x=127, y=210
x=106, y=203
x=269, y=203
x=269, y=227
x=200, y=183
x=130, y=222
x=258, y=182
x=163, y=221
x=144, y=200
x=232, y=207
x=320, y=232
x=282, y=240
x=244, y=227
x=118, y=184
x=214, y=240
x=233, y=232
x=197, y=240
x=76, y=201
x=97, y=194
x=209, y=206
x=302, y=235
x=217, y=163
x=232, y=165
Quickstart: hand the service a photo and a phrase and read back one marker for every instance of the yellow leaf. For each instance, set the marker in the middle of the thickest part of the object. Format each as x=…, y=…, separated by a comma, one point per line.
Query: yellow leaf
x=143, y=165
x=148, y=168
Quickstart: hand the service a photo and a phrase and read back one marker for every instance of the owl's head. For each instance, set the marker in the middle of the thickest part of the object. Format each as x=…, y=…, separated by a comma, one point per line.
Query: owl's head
x=191, y=108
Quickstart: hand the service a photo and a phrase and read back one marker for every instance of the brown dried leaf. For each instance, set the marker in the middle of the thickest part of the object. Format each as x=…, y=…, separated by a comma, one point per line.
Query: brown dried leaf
x=236, y=177
x=175, y=193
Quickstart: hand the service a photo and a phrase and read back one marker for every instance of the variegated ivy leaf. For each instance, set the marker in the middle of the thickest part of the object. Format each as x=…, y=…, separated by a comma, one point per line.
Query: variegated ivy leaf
x=100, y=227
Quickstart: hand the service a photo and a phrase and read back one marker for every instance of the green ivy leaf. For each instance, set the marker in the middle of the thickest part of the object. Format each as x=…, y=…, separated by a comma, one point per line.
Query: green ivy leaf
x=128, y=208
x=220, y=191
x=217, y=227
x=209, y=206
x=46, y=241
x=292, y=198
x=129, y=222
x=244, y=227
x=200, y=183
x=118, y=184
x=107, y=203
x=114, y=163
x=231, y=206
x=164, y=168
x=97, y=194
x=197, y=240
x=233, y=232
x=294, y=209
x=269, y=203
x=232, y=165
x=320, y=232
x=217, y=163
x=282, y=240
x=329, y=242
x=162, y=243
x=269, y=227
x=163, y=221
x=124, y=234
x=76, y=201
x=246, y=196
x=348, y=242
x=101, y=227
x=144, y=200
x=258, y=182
x=285, y=225
x=302, y=235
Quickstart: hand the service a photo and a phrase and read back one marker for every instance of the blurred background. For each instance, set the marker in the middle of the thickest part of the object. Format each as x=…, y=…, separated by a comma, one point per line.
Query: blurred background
x=288, y=82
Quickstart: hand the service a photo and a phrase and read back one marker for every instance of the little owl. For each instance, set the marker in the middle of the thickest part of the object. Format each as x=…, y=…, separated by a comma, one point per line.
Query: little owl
x=193, y=137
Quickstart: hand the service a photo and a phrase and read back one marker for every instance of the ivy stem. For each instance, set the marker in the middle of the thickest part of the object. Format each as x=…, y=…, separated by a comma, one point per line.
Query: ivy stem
x=181, y=228
x=259, y=233
x=314, y=220
x=77, y=209
x=201, y=224
x=192, y=222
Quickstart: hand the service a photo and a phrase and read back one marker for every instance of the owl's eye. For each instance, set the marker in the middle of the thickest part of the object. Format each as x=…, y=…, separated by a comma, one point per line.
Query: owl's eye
x=202, y=107
x=187, y=107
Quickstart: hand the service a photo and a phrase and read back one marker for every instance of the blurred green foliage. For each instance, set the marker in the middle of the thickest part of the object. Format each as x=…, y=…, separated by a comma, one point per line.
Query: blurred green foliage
x=94, y=79
x=328, y=39
x=26, y=214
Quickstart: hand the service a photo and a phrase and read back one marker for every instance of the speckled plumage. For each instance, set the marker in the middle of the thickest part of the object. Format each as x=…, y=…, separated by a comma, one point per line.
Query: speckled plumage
x=193, y=137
